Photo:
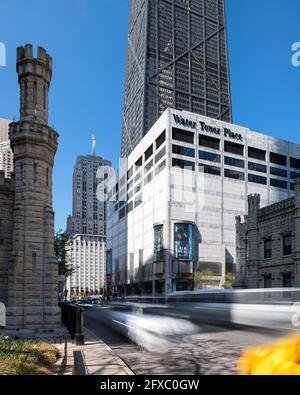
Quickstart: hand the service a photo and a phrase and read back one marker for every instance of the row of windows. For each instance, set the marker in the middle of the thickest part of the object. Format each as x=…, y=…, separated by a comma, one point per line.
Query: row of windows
x=286, y=247
x=234, y=148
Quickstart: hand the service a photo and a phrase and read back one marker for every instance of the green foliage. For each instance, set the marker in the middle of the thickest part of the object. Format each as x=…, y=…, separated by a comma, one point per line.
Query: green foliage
x=205, y=279
x=61, y=247
x=229, y=278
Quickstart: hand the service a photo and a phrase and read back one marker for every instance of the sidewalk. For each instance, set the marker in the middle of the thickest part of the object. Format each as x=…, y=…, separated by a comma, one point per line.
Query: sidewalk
x=94, y=358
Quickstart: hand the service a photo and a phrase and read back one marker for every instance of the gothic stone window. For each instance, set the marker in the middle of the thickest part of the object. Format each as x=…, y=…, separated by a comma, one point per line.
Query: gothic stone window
x=287, y=245
x=267, y=248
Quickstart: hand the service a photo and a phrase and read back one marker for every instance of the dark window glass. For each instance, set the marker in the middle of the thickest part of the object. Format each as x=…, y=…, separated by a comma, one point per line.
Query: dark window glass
x=209, y=142
x=216, y=171
x=278, y=159
x=278, y=172
x=268, y=281
x=184, y=242
x=234, y=162
x=234, y=148
x=256, y=153
x=295, y=163
x=148, y=152
x=139, y=163
x=236, y=175
x=183, y=164
x=257, y=167
x=257, y=179
x=278, y=183
x=183, y=135
x=292, y=187
x=267, y=248
x=160, y=140
x=287, y=280
x=294, y=175
x=287, y=245
x=179, y=150
x=158, y=243
x=209, y=156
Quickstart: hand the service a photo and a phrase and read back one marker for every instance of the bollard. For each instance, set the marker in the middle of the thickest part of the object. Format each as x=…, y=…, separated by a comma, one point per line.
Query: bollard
x=79, y=337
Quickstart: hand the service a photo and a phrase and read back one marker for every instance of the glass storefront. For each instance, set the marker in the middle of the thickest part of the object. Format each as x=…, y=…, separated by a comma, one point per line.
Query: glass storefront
x=158, y=243
x=184, y=242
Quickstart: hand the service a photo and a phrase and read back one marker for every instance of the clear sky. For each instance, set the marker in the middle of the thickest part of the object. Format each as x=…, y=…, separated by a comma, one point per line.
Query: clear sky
x=87, y=39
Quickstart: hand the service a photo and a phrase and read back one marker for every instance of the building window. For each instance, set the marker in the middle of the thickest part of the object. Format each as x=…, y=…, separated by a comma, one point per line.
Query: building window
x=209, y=142
x=130, y=173
x=122, y=213
x=160, y=155
x=179, y=150
x=158, y=243
x=278, y=159
x=209, y=156
x=256, y=153
x=267, y=249
x=234, y=148
x=148, y=153
x=268, y=281
x=278, y=172
x=183, y=164
x=213, y=170
x=183, y=136
x=47, y=177
x=184, y=242
x=129, y=207
x=236, y=175
x=257, y=179
x=287, y=280
x=139, y=163
x=295, y=163
x=34, y=173
x=160, y=140
x=294, y=175
x=234, y=162
x=257, y=167
x=287, y=245
x=278, y=183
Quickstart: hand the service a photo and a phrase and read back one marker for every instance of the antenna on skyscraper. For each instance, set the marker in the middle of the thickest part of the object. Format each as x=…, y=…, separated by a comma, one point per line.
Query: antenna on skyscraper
x=94, y=144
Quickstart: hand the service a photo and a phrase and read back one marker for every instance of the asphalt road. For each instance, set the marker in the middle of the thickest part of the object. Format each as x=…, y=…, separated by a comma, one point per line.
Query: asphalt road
x=208, y=350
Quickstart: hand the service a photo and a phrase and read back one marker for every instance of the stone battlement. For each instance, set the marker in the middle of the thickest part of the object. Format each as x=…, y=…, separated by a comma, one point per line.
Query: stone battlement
x=26, y=54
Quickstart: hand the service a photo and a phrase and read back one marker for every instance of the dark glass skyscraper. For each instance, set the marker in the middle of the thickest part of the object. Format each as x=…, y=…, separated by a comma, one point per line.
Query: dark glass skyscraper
x=176, y=57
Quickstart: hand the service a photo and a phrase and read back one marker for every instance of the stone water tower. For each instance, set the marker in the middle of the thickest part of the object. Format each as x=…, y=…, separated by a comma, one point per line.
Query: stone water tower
x=33, y=270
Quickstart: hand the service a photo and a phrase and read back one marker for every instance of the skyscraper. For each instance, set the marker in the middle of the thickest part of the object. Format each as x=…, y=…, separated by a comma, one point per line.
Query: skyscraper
x=176, y=57
x=87, y=225
x=88, y=215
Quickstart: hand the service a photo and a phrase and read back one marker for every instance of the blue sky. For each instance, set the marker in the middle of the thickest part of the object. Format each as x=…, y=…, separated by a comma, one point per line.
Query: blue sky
x=87, y=39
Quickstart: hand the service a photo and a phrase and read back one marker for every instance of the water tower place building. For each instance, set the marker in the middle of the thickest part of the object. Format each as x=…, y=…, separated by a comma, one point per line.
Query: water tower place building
x=172, y=211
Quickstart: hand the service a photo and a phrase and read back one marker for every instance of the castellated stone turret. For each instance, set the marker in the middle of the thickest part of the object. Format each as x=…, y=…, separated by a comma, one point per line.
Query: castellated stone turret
x=32, y=272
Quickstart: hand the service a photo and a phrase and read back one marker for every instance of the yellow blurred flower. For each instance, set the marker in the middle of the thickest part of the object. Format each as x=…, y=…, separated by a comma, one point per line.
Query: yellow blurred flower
x=281, y=358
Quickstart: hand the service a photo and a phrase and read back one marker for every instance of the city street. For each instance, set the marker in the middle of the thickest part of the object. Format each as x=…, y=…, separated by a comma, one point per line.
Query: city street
x=211, y=350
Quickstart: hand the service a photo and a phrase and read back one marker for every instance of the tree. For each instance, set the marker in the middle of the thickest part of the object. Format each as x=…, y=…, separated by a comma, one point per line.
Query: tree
x=229, y=278
x=205, y=279
x=62, y=252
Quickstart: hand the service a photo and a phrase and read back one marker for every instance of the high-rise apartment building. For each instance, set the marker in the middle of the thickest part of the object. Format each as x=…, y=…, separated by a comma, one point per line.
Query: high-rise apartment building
x=176, y=57
x=87, y=226
x=6, y=154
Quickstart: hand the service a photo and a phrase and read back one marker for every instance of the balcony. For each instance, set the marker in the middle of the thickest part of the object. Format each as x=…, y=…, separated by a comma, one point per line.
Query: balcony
x=182, y=267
